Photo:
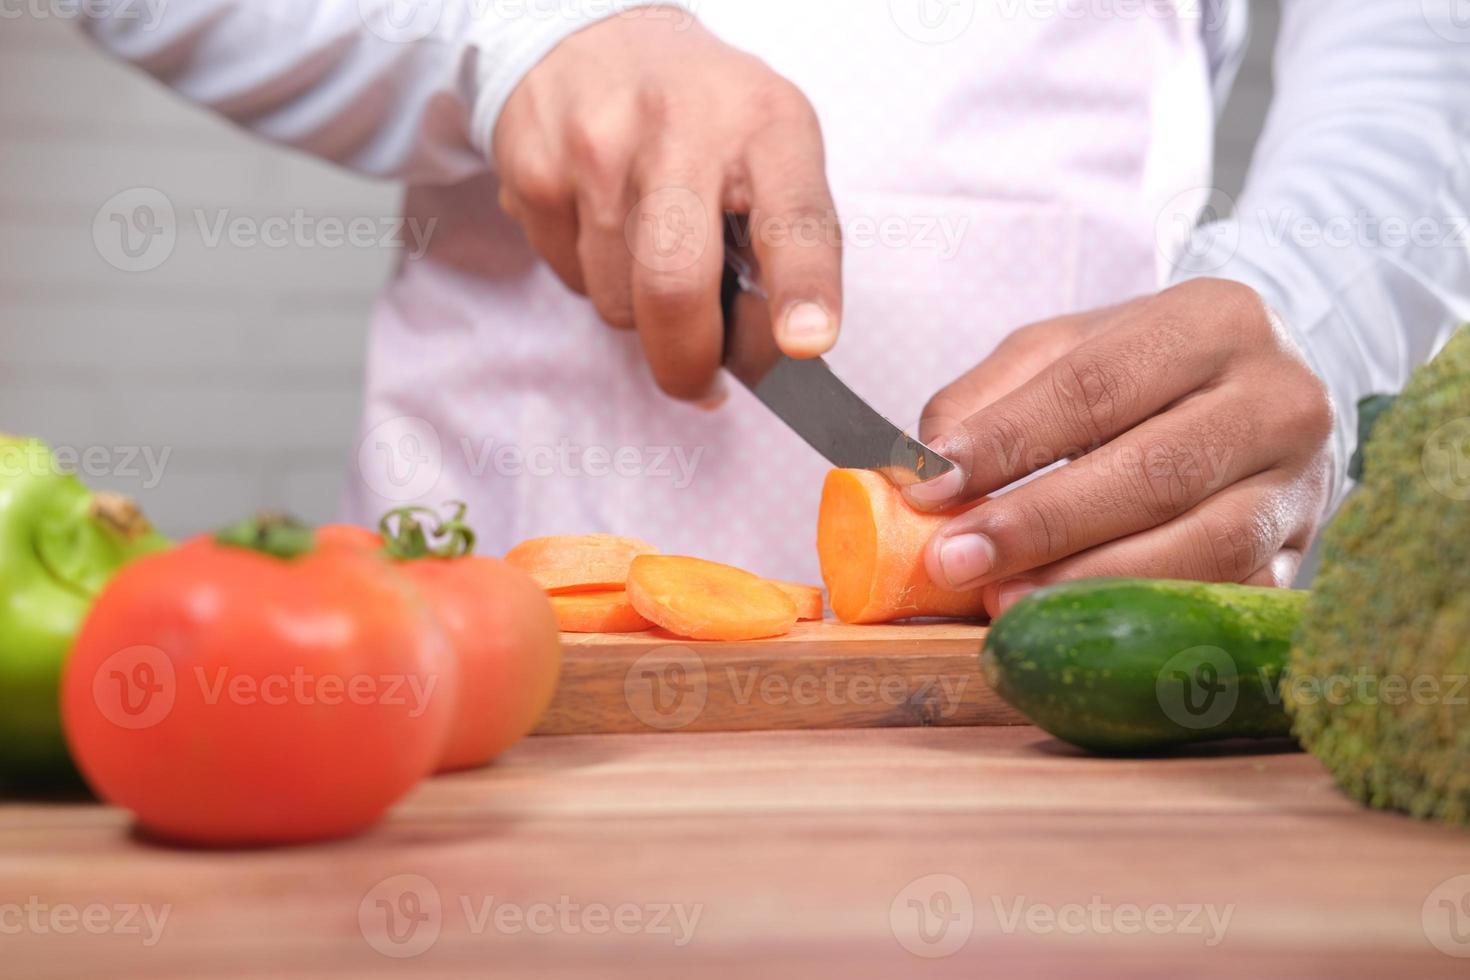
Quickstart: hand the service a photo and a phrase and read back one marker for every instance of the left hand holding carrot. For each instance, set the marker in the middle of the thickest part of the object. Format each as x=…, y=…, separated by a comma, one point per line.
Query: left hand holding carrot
x=1199, y=437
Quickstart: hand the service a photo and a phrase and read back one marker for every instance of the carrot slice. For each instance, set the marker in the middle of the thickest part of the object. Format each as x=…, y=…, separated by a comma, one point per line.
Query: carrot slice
x=808, y=598
x=578, y=562
x=597, y=612
x=704, y=600
x=870, y=544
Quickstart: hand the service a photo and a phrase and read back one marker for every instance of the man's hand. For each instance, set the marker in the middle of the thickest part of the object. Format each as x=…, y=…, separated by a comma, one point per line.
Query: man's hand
x=1199, y=440
x=619, y=155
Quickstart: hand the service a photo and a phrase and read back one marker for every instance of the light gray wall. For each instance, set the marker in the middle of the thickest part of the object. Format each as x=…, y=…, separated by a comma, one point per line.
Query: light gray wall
x=237, y=367
x=1240, y=123
x=243, y=364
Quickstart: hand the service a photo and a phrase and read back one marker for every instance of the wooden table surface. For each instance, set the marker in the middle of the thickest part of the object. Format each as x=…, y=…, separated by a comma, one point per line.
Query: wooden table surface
x=966, y=852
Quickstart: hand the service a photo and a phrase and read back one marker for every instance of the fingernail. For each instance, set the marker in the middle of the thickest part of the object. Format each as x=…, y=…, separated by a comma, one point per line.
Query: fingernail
x=807, y=326
x=966, y=558
x=1013, y=592
x=940, y=490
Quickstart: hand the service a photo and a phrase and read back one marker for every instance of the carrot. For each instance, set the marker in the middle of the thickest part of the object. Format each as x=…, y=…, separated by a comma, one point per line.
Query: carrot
x=578, y=562
x=598, y=612
x=870, y=544
x=704, y=600
x=808, y=598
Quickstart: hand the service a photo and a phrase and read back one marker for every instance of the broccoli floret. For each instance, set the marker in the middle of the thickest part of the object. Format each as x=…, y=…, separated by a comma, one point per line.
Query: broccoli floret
x=1378, y=688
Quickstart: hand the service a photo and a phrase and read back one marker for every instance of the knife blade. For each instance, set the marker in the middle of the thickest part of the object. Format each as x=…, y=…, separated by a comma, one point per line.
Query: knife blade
x=806, y=395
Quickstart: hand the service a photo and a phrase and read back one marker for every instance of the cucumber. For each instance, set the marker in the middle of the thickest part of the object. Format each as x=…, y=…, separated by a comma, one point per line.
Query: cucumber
x=1132, y=665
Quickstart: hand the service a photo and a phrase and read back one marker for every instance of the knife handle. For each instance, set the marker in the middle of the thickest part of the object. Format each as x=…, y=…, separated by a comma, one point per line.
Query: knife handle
x=741, y=274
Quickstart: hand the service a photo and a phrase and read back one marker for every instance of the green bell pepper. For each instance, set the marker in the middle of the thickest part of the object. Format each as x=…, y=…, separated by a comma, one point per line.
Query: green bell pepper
x=59, y=544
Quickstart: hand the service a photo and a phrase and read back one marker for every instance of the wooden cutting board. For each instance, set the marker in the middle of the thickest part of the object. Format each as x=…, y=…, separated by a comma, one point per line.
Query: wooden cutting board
x=821, y=675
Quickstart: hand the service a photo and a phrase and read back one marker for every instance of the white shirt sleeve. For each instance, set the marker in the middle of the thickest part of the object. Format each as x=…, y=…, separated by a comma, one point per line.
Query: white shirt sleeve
x=409, y=89
x=1355, y=220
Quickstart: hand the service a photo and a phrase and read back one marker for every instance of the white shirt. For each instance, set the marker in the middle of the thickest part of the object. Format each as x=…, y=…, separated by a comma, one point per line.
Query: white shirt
x=1354, y=225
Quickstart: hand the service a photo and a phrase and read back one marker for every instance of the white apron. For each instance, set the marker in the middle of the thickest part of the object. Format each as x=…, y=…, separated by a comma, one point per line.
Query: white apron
x=993, y=165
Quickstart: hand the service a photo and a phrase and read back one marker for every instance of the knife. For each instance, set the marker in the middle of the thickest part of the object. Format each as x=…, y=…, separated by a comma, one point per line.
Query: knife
x=805, y=394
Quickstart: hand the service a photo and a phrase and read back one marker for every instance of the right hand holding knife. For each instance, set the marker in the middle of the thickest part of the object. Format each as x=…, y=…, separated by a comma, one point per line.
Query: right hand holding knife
x=621, y=153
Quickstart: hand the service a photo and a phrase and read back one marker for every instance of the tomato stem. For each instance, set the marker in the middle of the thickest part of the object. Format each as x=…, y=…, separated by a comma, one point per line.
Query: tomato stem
x=277, y=535
x=406, y=537
x=120, y=514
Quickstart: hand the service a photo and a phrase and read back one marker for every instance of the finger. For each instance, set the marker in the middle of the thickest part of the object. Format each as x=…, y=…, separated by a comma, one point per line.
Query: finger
x=1005, y=370
x=795, y=232
x=537, y=193
x=678, y=250
x=605, y=258
x=1140, y=480
x=601, y=159
x=551, y=228
x=1097, y=391
x=1017, y=359
x=1239, y=534
x=1280, y=572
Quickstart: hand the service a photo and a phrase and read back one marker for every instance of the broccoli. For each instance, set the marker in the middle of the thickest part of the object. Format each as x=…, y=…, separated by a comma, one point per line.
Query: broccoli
x=1379, y=665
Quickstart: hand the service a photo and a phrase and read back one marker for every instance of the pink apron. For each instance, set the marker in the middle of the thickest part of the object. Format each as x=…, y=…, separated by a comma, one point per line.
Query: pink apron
x=993, y=165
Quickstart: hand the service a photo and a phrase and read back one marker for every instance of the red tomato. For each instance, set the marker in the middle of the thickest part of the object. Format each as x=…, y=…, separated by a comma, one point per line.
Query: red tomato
x=227, y=696
x=504, y=630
